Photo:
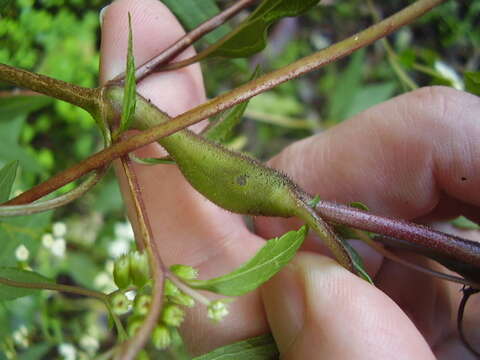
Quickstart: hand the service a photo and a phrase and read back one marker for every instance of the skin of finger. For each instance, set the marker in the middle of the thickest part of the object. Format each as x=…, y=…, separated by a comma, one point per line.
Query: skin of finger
x=187, y=228
x=333, y=314
x=422, y=154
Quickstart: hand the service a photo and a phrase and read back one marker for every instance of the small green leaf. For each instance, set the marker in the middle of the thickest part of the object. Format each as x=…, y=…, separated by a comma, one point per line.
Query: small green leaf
x=152, y=161
x=359, y=205
x=250, y=36
x=7, y=177
x=357, y=262
x=348, y=84
x=222, y=129
x=129, y=95
x=462, y=222
x=314, y=202
x=258, y=348
x=267, y=262
x=16, y=274
x=472, y=82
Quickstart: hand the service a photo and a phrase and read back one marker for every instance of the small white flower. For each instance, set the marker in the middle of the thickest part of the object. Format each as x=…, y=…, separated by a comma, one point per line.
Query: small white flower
x=131, y=295
x=124, y=230
x=22, y=253
x=217, y=310
x=20, y=336
x=47, y=240
x=450, y=74
x=59, y=229
x=119, y=247
x=67, y=351
x=58, y=247
x=89, y=344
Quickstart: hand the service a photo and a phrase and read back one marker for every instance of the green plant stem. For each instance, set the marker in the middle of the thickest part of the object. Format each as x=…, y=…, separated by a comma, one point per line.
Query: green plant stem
x=40, y=206
x=230, y=99
x=85, y=98
x=391, y=55
x=187, y=289
x=143, y=235
x=184, y=42
x=56, y=287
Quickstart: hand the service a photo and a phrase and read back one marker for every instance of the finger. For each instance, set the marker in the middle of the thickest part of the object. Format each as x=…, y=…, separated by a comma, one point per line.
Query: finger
x=188, y=228
x=406, y=158
x=397, y=157
x=317, y=309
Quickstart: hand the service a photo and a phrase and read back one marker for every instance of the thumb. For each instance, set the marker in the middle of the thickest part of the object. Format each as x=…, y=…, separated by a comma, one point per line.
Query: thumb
x=316, y=308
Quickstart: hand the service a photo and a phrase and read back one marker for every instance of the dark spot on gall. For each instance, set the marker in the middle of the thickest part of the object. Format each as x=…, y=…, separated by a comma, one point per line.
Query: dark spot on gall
x=242, y=180
x=463, y=178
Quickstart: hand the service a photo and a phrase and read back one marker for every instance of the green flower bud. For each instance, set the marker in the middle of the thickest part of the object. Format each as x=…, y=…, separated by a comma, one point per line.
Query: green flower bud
x=184, y=272
x=161, y=338
x=172, y=315
x=121, y=272
x=217, y=310
x=170, y=289
x=182, y=299
x=139, y=268
x=141, y=306
x=133, y=324
x=120, y=303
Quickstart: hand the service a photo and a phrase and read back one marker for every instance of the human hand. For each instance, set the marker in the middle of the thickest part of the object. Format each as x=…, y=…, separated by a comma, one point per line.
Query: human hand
x=404, y=158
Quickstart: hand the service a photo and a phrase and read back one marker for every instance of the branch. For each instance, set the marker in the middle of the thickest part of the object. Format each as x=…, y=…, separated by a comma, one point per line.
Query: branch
x=85, y=98
x=453, y=247
x=143, y=236
x=40, y=206
x=56, y=287
x=184, y=42
x=230, y=99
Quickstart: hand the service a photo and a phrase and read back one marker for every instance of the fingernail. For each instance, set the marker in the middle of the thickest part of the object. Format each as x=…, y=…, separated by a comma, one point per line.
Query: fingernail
x=284, y=303
x=102, y=14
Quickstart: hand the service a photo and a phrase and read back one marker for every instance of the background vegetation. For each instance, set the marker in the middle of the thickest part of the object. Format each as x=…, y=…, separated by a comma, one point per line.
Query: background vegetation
x=77, y=244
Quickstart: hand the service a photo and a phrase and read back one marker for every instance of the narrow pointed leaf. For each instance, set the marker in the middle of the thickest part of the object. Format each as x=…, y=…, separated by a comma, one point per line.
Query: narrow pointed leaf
x=275, y=254
x=129, y=97
x=16, y=274
x=250, y=36
x=7, y=177
x=222, y=129
x=258, y=348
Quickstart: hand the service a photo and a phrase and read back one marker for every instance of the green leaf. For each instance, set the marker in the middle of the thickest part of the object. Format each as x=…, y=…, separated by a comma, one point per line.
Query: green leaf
x=258, y=348
x=314, y=201
x=152, y=161
x=368, y=96
x=472, y=82
x=16, y=274
x=193, y=13
x=7, y=177
x=348, y=84
x=267, y=262
x=222, y=129
x=359, y=205
x=462, y=222
x=357, y=262
x=13, y=106
x=250, y=36
x=129, y=95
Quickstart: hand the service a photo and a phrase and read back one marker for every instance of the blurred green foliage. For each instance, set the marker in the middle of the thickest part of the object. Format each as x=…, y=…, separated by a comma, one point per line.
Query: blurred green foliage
x=60, y=38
